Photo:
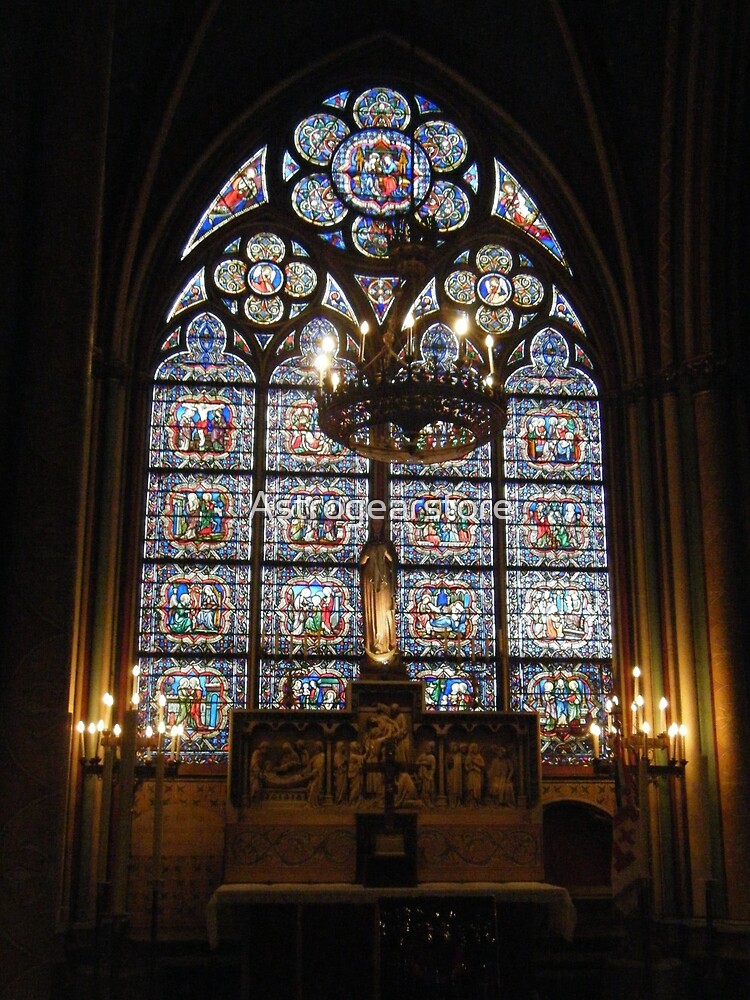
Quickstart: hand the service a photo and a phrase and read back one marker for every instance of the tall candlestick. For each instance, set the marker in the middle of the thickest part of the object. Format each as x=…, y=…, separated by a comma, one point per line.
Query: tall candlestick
x=683, y=734
x=490, y=343
x=595, y=731
x=108, y=703
x=363, y=329
x=674, y=730
x=81, y=727
x=136, y=676
x=636, y=682
x=663, y=704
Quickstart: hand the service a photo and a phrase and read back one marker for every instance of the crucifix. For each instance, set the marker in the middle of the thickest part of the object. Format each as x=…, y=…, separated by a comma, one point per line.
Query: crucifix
x=389, y=768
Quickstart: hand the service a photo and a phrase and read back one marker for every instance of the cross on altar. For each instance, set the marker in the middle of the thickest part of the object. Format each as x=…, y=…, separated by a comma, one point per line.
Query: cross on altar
x=389, y=767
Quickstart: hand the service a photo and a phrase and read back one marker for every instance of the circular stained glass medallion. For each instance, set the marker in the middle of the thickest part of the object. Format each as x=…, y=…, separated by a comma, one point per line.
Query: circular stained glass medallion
x=265, y=278
x=494, y=289
x=266, y=246
x=460, y=286
x=371, y=236
x=443, y=143
x=318, y=136
x=230, y=276
x=381, y=107
x=529, y=291
x=495, y=320
x=447, y=205
x=300, y=279
x=494, y=258
x=315, y=201
x=374, y=170
x=264, y=311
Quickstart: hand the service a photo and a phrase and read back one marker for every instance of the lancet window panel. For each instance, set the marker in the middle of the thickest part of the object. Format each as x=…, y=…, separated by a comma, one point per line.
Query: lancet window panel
x=567, y=696
x=555, y=525
x=198, y=515
x=199, y=694
x=301, y=684
x=202, y=425
x=446, y=614
x=442, y=521
x=451, y=687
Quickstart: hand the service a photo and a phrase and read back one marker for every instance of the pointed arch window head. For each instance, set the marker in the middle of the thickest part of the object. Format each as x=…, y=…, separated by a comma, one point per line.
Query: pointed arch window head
x=250, y=592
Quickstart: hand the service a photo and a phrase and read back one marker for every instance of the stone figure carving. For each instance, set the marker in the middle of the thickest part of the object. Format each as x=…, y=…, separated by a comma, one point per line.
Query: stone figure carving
x=316, y=773
x=454, y=774
x=500, y=788
x=340, y=773
x=474, y=774
x=426, y=765
x=354, y=771
x=257, y=766
x=378, y=575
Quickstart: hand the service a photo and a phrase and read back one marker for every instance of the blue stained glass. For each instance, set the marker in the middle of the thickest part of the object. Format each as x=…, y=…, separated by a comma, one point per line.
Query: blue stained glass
x=524, y=319
x=555, y=525
x=234, y=246
x=313, y=336
x=380, y=172
x=426, y=302
x=471, y=176
x=336, y=239
x=561, y=309
x=445, y=145
x=381, y=107
x=245, y=190
x=442, y=521
x=463, y=258
x=232, y=305
x=298, y=249
x=314, y=610
x=305, y=684
x=443, y=611
x=317, y=137
x=195, y=608
x=439, y=347
x=295, y=308
x=197, y=516
x=453, y=688
x=558, y=439
x=204, y=360
x=372, y=236
x=558, y=613
x=334, y=298
x=315, y=201
x=525, y=261
x=316, y=519
x=338, y=100
x=204, y=426
x=477, y=463
x=294, y=440
x=549, y=373
x=568, y=698
x=264, y=339
x=425, y=105
x=446, y=206
x=199, y=695
x=515, y=205
x=193, y=293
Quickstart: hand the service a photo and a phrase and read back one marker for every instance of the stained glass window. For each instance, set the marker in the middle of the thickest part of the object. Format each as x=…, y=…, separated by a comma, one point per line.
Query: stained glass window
x=195, y=585
x=316, y=496
x=255, y=521
x=558, y=604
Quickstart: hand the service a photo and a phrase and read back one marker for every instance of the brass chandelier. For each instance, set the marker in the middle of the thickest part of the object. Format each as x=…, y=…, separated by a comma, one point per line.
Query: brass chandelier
x=402, y=402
